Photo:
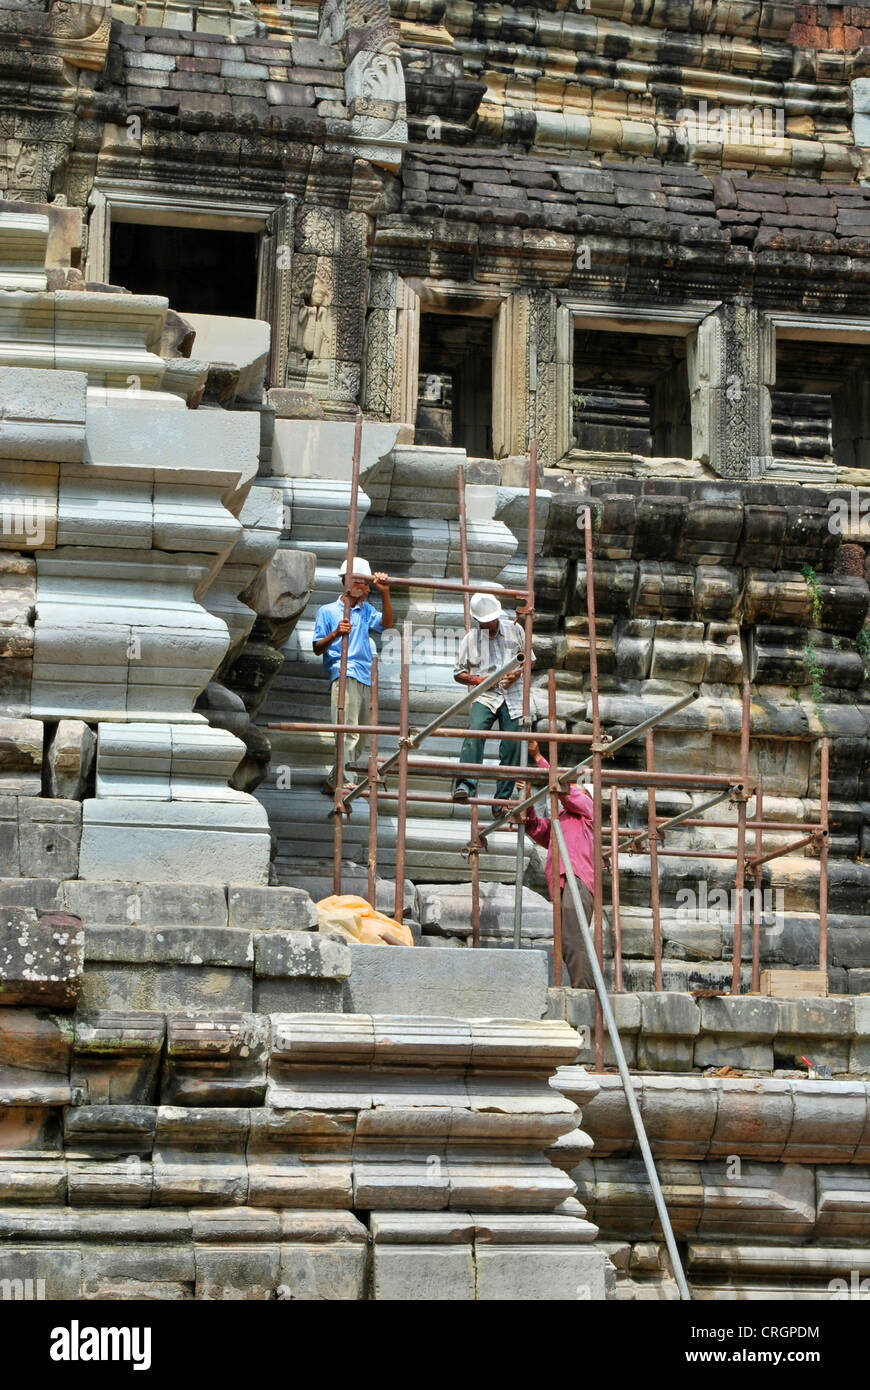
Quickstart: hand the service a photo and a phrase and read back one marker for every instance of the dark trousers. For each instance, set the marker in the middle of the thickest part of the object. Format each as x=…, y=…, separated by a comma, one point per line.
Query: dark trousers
x=482, y=717
x=573, y=950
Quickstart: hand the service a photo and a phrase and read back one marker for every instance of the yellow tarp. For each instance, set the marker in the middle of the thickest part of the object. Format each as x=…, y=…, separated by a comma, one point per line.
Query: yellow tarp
x=357, y=920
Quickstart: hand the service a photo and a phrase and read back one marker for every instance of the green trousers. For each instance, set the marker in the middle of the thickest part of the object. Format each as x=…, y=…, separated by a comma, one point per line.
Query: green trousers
x=482, y=717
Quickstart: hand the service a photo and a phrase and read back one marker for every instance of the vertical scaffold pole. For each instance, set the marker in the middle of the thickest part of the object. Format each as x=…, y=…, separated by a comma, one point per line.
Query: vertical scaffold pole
x=614, y=890
x=823, y=854
x=528, y=625
x=740, y=875
x=337, y=814
x=556, y=860
x=474, y=856
x=652, y=836
x=373, y=788
x=401, y=804
x=756, y=896
x=596, y=780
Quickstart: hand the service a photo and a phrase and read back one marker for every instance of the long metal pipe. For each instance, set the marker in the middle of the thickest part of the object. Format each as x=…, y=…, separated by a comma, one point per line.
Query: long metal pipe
x=668, y=822
x=337, y=813
x=414, y=740
x=402, y=756
x=676, y=779
x=451, y=586
x=740, y=873
x=598, y=857
x=520, y=864
x=625, y=1077
x=823, y=854
x=373, y=791
x=787, y=849
x=652, y=835
x=615, y=922
x=474, y=856
x=756, y=897
x=556, y=863
x=301, y=726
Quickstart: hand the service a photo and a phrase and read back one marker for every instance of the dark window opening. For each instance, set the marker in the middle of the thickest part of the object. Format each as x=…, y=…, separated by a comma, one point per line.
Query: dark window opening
x=200, y=270
x=631, y=394
x=454, y=402
x=820, y=405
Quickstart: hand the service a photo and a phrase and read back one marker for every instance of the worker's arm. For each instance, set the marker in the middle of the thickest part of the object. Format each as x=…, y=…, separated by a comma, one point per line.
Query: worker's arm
x=321, y=644
x=462, y=675
x=537, y=827
x=382, y=584
x=324, y=633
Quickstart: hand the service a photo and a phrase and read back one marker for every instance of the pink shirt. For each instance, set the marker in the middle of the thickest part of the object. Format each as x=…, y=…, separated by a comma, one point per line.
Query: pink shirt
x=575, y=819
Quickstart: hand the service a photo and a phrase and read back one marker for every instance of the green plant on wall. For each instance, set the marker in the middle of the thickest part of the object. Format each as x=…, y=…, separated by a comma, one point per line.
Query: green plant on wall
x=815, y=588
x=863, y=642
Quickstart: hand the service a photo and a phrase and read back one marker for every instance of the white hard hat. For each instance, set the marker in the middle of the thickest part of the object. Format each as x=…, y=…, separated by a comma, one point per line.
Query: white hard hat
x=485, y=607
x=361, y=568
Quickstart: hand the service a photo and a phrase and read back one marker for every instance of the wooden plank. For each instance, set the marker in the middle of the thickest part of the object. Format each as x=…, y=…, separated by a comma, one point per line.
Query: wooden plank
x=794, y=984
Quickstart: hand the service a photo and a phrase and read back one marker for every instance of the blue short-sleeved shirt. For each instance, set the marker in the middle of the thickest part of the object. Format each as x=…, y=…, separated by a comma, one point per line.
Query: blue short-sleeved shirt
x=363, y=620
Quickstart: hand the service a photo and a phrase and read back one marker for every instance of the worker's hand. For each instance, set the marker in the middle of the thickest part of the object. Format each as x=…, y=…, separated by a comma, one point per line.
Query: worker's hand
x=534, y=748
x=381, y=582
x=511, y=678
x=344, y=628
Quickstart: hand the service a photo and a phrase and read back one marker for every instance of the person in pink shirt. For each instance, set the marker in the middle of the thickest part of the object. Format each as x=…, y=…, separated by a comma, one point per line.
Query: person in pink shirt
x=575, y=819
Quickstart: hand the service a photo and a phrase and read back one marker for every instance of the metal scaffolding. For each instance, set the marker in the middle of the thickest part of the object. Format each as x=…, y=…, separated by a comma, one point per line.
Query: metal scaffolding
x=735, y=788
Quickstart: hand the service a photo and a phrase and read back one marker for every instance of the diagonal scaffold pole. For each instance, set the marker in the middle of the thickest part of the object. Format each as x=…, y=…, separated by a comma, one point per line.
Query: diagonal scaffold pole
x=625, y=1077
x=413, y=740
x=573, y=774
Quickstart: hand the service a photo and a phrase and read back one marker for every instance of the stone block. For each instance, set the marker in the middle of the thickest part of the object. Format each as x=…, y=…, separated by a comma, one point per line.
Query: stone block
x=271, y=909
x=145, y=905
x=148, y=986
x=539, y=1272
x=174, y=842
x=239, y=1272
x=215, y=1060
x=21, y=755
x=423, y=1273
x=70, y=759
x=116, y=1057
x=49, y=835
x=317, y=1272
x=664, y=1014
x=297, y=996
x=41, y=958
x=478, y=984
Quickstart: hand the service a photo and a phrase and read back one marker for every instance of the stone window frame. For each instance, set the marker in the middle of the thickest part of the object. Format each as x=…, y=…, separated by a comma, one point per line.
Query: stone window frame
x=787, y=324
x=273, y=222
x=604, y=315
x=509, y=410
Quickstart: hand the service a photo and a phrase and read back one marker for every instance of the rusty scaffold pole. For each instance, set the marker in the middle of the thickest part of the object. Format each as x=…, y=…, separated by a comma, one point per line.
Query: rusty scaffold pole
x=373, y=781
x=598, y=915
x=824, y=813
x=556, y=860
x=756, y=888
x=615, y=921
x=337, y=807
x=401, y=804
x=528, y=625
x=741, y=798
x=653, y=841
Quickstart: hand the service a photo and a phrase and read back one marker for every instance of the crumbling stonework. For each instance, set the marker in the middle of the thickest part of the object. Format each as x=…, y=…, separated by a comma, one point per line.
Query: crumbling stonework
x=651, y=224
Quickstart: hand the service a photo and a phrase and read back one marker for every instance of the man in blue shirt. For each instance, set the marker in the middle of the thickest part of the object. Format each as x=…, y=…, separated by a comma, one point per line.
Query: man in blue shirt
x=329, y=629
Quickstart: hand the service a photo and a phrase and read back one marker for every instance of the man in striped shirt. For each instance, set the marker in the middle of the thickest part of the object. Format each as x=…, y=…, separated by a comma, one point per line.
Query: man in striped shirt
x=490, y=644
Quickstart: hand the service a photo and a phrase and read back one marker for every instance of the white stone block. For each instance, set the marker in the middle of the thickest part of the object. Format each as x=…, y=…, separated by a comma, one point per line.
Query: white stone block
x=172, y=842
